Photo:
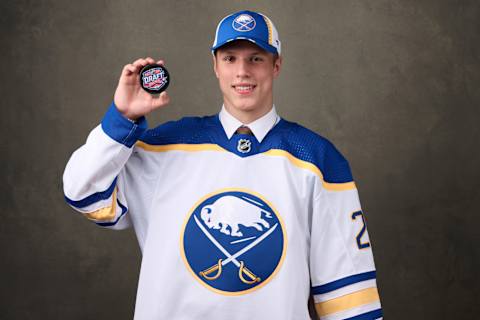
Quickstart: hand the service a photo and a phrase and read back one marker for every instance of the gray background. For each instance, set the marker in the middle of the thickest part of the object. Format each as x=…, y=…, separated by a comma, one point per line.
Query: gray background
x=394, y=84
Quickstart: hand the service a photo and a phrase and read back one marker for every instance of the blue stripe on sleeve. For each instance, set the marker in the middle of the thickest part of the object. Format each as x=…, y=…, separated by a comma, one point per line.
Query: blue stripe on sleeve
x=121, y=129
x=331, y=286
x=109, y=224
x=103, y=195
x=372, y=315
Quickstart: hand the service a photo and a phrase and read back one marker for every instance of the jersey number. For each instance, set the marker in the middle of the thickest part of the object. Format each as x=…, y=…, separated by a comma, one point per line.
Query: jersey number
x=362, y=232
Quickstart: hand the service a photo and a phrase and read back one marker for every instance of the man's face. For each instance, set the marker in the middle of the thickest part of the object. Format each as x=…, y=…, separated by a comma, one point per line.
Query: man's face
x=245, y=73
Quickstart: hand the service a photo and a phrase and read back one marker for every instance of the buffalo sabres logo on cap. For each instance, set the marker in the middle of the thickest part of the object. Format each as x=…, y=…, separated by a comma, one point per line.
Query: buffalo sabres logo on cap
x=233, y=241
x=243, y=23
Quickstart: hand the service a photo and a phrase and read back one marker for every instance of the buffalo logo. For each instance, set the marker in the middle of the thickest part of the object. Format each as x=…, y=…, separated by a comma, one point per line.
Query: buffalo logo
x=154, y=79
x=233, y=241
x=244, y=146
x=243, y=23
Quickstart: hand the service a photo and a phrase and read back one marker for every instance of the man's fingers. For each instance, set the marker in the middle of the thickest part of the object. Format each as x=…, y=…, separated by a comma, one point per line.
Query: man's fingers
x=150, y=60
x=129, y=69
x=134, y=68
x=140, y=63
x=162, y=100
x=136, y=65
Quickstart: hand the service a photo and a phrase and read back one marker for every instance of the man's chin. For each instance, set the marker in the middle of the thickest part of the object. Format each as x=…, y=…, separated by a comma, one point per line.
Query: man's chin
x=246, y=106
x=246, y=109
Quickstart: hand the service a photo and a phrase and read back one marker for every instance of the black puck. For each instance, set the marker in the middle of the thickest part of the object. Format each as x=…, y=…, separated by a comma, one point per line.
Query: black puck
x=154, y=78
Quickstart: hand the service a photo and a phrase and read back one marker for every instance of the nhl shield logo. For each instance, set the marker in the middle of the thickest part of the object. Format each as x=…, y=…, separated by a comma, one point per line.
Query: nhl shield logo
x=244, y=23
x=233, y=241
x=244, y=146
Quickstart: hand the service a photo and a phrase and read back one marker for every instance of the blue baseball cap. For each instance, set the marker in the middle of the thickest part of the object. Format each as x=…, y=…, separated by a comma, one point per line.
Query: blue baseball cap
x=248, y=25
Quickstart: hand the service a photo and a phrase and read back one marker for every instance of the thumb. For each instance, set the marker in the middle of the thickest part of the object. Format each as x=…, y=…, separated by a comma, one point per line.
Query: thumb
x=162, y=100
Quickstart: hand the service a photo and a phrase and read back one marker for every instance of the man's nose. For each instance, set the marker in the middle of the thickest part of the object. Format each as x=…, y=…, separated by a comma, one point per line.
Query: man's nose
x=243, y=69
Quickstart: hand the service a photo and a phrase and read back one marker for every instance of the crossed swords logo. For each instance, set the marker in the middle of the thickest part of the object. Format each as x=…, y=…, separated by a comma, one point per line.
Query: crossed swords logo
x=243, y=271
x=244, y=25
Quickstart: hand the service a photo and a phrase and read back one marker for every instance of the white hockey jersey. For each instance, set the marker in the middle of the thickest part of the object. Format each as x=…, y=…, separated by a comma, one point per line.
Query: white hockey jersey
x=229, y=228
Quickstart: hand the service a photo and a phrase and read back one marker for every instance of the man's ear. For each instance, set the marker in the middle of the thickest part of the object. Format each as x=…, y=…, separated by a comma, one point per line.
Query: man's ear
x=277, y=65
x=215, y=65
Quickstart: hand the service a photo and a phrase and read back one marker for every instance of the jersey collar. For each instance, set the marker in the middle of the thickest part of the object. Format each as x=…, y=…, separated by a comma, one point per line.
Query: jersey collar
x=259, y=127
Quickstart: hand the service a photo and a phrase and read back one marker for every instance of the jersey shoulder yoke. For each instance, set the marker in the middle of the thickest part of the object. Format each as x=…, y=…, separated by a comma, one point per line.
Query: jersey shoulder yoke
x=309, y=146
x=187, y=130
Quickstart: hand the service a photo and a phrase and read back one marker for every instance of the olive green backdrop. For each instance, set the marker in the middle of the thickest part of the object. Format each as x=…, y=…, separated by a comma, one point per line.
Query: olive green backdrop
x=393, y=83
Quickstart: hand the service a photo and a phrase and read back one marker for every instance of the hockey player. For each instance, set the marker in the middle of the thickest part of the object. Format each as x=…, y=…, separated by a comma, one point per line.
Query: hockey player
x=239, y=215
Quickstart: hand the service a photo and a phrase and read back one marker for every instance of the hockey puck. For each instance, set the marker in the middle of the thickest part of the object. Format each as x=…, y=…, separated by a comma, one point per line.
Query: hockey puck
x=154, y=78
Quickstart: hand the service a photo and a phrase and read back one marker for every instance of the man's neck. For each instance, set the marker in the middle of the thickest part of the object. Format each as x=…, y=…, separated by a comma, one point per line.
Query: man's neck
x=247, y=117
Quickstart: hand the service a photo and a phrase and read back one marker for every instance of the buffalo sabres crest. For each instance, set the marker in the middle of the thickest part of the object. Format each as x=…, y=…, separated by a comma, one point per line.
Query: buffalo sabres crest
x=244, y=23
x=234, y=241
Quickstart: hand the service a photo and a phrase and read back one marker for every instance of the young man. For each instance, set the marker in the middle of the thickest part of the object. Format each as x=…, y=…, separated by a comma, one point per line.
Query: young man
x=240, y=215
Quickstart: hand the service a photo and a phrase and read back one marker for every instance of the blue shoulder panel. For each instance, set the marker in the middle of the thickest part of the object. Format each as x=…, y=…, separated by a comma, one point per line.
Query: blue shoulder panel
x=306, y=145
x=300, y=142
x=188, y=130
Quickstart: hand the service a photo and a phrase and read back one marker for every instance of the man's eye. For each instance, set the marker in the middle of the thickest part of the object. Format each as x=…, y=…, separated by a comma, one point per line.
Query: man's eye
x=228, y=58
x=257, y=59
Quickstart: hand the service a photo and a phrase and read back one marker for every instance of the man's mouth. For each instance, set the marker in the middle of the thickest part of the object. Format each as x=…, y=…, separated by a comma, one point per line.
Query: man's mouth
x=244, y=88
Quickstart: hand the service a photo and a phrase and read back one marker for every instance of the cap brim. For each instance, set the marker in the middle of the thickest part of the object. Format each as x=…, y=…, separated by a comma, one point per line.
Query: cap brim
x=259, y=43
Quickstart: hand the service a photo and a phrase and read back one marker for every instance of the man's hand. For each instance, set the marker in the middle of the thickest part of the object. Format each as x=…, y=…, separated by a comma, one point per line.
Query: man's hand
x=131, y=100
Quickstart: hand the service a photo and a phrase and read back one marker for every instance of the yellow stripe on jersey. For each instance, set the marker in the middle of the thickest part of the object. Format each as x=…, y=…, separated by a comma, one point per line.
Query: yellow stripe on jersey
x=348, y=301
x=273, y=152
x=339, y=186
x=104, y=214
x=180, y=147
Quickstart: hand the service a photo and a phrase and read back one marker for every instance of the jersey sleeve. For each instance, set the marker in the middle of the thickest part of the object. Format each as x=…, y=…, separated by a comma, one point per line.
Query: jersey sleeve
x=342, y=268
x=94, y=178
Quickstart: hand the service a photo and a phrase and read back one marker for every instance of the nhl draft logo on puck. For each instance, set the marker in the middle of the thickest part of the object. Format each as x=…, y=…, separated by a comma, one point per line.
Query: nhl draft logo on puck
x=154, y=78
x=233, y=241
x=244, y=23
